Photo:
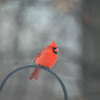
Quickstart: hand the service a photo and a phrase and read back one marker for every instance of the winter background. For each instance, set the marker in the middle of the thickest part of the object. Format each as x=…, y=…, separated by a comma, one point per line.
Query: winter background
x=26, y=26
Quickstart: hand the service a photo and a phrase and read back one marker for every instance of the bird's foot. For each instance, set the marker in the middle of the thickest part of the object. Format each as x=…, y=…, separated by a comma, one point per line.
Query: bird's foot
x=47, y=68
x=39, y=66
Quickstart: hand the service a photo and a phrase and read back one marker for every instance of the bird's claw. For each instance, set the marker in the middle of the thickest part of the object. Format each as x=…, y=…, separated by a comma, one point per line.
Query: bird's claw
x=47, y=68
x=39, y=66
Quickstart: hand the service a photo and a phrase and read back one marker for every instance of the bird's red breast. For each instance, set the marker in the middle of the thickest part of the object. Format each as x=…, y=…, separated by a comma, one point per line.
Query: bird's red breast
x=47, y=56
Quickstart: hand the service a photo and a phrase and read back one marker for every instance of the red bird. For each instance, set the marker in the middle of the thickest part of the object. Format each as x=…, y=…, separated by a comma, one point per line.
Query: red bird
x=47, y=58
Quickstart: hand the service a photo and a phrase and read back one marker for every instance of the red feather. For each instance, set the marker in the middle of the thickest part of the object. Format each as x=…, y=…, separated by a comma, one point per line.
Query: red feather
x=35, y=74
x=47, y=58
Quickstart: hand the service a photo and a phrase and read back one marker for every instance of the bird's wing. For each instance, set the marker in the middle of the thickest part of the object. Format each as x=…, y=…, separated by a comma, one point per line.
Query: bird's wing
x=39, y=54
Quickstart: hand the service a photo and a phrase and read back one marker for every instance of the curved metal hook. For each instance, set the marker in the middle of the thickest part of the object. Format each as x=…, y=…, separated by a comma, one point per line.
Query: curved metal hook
x=36, y=66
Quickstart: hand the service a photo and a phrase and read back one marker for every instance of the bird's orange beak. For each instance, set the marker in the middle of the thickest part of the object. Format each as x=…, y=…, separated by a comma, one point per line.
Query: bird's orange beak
x=56, y=50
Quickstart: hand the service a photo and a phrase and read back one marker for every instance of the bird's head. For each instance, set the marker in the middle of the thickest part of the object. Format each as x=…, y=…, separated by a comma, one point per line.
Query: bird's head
x=54, y=47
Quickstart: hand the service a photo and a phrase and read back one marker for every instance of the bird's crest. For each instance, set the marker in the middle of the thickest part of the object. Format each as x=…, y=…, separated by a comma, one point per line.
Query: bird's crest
x=53, y=44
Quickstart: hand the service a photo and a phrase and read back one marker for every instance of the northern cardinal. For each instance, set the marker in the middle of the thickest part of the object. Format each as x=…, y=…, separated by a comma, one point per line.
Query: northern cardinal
x=46, y=57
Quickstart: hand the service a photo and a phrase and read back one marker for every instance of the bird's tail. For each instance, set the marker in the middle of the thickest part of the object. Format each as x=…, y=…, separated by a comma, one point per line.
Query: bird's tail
x=35, y=74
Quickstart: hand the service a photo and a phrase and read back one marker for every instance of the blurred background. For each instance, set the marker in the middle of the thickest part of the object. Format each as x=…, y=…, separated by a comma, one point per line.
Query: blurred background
x=26, y=26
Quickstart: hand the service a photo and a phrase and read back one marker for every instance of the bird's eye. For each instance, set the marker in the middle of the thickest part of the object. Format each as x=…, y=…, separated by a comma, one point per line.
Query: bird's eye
x=54, y=50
